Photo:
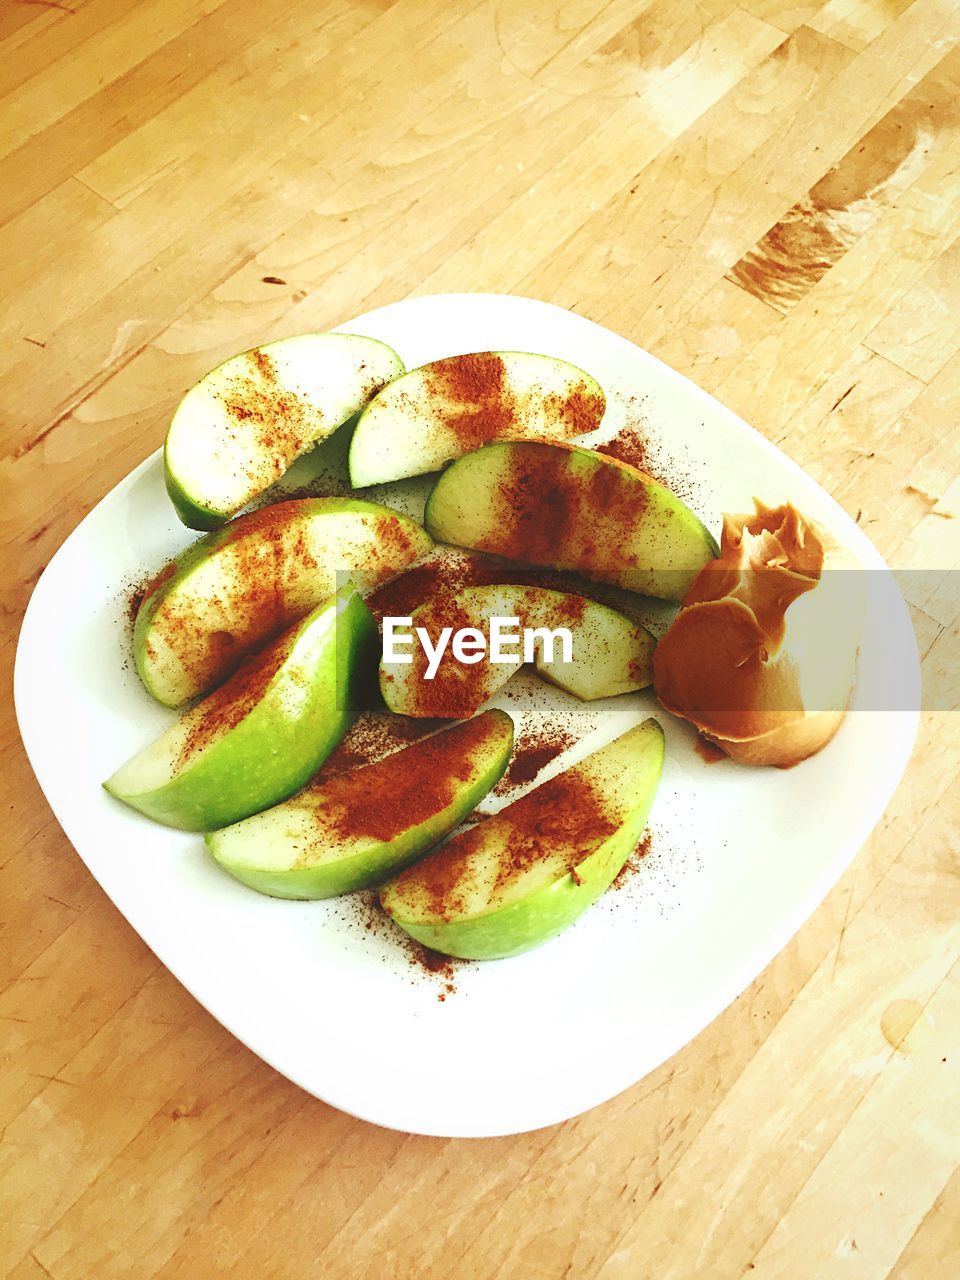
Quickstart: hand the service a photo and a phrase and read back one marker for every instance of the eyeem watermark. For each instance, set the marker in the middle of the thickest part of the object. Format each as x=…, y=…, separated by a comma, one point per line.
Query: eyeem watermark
x=507, y=642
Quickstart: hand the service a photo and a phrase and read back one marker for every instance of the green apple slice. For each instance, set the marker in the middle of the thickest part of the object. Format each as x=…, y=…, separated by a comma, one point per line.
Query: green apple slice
x=571, y=508
x=259, y=737
x=446, y=408
x=236, y=588
x=610, y=653
x=358, y=828
x=516, y=879
x=238, y=429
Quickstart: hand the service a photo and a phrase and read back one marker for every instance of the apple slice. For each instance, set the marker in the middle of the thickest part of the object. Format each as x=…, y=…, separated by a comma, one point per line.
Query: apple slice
x=238, y=429
x=259, y=737
x=446, y=408
x=522, y=876
x=610, y=653
x=571, y=508
x=237, y=587
x=358, y=828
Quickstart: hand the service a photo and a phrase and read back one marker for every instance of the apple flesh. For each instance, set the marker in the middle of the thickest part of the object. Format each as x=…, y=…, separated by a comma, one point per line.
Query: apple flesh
x=442, y=410
x=610, y=653
x=236, y=588
x=571, y=508
x=356, y=829
x=260, y=736
x=524, y=875
x=241, y=426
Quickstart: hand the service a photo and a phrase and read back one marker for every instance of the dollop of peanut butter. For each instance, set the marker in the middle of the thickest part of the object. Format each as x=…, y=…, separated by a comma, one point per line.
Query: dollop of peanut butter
x=766, y=561
x=743, y=667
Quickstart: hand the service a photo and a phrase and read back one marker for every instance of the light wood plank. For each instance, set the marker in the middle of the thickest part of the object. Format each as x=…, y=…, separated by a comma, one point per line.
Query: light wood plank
x=877, y=269
x=620, y=158
x=625, y=248
x=937, y=1237
x=922, y=331
x=73, y=78
x=775, y=1135
x=715, y=233
x=818, y=230
x=788, y=15
x=632, y=136
x=856, y=23
x=150, y=1046
x=48, y=32
x=861, y=1236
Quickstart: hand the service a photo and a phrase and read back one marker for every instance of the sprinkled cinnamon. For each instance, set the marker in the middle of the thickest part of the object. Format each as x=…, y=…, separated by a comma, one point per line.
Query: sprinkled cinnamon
x=372, y=737
x=532, y=752
x=632, y=864
x=382, y=800
x=473, y=385
x=137, y=593
x=436, y=964
x=224, y=709
x=457, y=690
x=282, y=421
x=480, y=405
x=629, y=445
x=422, y=964
x=269, y=575
x=449, y=570
x=634, y=444
x=565, y=812
x=582, y=410
x=563, y=816
x=549, y=511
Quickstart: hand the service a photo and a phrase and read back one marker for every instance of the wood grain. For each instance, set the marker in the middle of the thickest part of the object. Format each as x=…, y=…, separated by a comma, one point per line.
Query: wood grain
x=850, y=199
x=766, y=195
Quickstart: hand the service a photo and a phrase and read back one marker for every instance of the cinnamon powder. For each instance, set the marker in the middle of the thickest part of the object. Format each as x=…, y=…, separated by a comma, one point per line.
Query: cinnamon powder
x=363, y=910
x=533, y=751
x=632, y=863
x=282, y=421
x=633, y=444
x=224, y=709
x=268, y=553
x=450, y=570
x=456, y=691
x=549, y=511
x=565, y=813
x=404, y=790
x=481, y=406
x=473, y=385
x=373, y=736
x=436, y=964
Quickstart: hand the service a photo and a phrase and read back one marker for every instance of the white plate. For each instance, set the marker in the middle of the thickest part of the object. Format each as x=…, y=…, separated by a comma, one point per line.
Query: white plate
x=741, y=857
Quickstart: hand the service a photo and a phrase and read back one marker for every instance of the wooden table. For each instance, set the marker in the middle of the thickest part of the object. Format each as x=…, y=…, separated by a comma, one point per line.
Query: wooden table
x=766, y=195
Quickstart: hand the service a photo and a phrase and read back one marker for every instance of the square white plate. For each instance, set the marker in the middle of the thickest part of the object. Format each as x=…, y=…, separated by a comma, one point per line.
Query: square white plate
x=741, y=857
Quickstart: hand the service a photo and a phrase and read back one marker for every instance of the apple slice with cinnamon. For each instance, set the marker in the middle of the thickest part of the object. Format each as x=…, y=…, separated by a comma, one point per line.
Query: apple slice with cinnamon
x=240, y=427
x=261, y=736
x=570, y=508
x=234, y=589
x=444, y=409
x=359, y=827
x=522, y=876
x=609, y=653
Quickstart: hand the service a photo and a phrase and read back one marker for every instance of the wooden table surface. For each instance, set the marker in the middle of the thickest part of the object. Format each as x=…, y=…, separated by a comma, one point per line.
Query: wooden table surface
x=764, y=194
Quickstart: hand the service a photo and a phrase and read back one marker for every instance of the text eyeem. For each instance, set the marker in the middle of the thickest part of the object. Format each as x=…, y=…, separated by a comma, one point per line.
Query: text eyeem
x=507, y=642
